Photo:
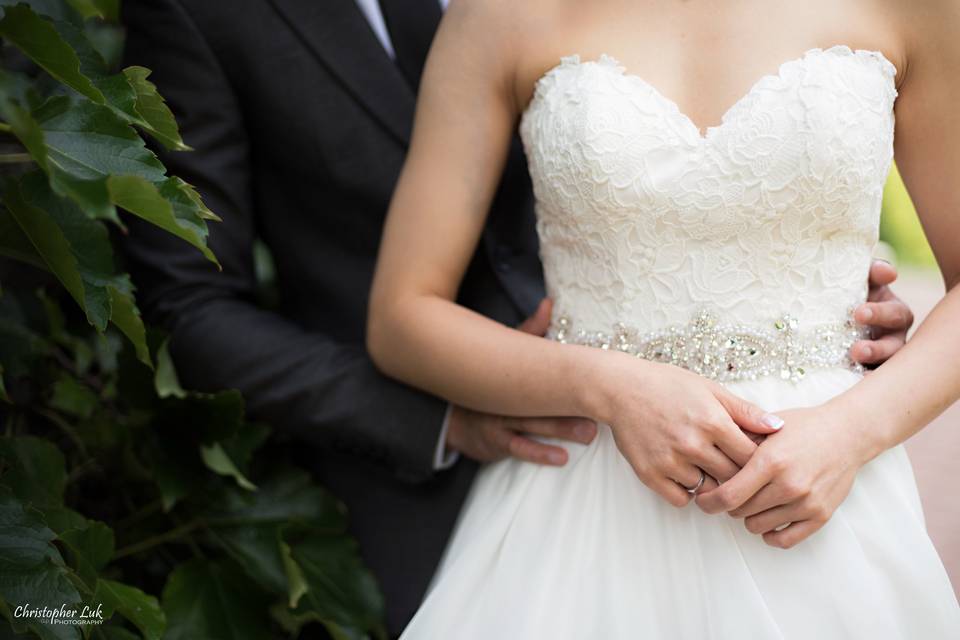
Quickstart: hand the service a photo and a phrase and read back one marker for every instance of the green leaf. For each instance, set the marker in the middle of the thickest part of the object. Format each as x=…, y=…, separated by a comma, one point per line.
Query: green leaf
x=90, y=193
x=77, y=251
x=37, y=38
x=210, y=599
x=297, y=582
x=85, y=144
x=32, y=570
x=87, y=8
x=50, y=244
x=133, y=604
x=165, y=379
x=3, y=387
x=126, y=316
x=154, y=114
x=94, y=542
x=89, y=543
x=109, y=9
x=55, y=9
x=72, y=397
x=175, y=477
x=259, y=550
x=241, y=445
x=168, y=205
x=15, y=244
x=287, y=496
x=319, y=564
x=34, y=469
x=250, y=526
x=98, y=162
x=129, y=95
x=183, y=424
x=21, y=122
x=65, y=52
x=219, y=462
x=340, y=589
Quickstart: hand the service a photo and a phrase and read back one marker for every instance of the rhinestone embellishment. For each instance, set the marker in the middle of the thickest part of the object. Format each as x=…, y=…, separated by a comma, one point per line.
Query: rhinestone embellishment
x=729, y=352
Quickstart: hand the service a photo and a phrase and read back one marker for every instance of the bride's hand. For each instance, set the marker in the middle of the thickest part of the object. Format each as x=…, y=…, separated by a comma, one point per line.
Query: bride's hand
x=799, y=476
x=667, y=422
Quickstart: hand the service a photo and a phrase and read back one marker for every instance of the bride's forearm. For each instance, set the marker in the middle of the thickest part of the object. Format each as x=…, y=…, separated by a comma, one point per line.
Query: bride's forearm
x=457, y=354
x=912, y=388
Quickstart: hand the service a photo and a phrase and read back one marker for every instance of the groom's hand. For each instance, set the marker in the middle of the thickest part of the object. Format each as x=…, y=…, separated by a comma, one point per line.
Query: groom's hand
x=488, y=438
x=888, y=317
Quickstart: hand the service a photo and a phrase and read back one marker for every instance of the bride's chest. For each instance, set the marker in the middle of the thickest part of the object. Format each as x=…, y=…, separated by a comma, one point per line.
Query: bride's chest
x=820, y=130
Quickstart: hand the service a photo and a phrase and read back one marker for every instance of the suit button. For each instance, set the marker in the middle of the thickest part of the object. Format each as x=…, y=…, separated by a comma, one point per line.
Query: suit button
x=503, y=266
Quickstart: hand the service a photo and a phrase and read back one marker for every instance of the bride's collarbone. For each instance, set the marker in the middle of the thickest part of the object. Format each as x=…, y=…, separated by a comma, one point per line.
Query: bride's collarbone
x=701, y=56
x=704, y=90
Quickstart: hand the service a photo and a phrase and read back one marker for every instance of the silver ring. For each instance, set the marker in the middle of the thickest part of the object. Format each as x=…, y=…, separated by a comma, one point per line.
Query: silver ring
x=703, y=477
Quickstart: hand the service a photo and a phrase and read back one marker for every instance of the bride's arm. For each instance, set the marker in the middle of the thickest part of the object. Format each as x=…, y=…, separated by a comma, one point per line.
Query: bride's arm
x=923, y=379
x=466, y=116
x=465, y=119
x=805, y=472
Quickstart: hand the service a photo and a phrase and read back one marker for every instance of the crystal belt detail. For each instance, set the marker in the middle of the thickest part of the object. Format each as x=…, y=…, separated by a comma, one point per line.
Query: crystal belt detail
x=729, y=352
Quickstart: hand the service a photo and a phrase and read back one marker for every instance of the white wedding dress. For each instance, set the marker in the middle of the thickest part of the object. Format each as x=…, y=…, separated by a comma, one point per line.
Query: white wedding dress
x=737, y=253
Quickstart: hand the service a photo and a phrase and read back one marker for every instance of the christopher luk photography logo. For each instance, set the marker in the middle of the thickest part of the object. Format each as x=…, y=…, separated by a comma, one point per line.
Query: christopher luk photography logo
x=65, y=614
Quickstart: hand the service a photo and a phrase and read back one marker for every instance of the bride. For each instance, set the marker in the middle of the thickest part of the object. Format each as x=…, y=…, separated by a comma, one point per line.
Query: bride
x=723, y=245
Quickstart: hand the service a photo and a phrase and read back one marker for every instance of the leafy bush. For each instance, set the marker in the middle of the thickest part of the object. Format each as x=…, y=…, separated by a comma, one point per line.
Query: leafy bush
x=115, y=483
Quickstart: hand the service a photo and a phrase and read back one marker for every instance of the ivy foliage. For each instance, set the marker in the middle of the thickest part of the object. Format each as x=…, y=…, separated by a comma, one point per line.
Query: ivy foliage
x=166, y=511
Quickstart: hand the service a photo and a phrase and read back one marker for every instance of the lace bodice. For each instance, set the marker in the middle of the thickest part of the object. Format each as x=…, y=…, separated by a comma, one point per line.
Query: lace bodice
x=645, y=221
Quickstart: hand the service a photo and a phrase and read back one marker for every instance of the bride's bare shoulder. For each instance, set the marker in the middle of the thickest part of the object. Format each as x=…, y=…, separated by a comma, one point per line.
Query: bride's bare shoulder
x=928, y=31
x=490, y=39
x=503, y=22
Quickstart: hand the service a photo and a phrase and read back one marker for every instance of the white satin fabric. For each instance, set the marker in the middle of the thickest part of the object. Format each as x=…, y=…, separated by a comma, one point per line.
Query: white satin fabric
x=644, y=220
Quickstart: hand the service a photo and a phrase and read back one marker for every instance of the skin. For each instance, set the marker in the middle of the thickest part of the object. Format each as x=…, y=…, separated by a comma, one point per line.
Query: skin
x=473, y=91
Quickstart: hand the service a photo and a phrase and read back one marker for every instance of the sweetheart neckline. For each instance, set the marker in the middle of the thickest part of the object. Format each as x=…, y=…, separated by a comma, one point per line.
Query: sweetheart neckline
x=703, y=135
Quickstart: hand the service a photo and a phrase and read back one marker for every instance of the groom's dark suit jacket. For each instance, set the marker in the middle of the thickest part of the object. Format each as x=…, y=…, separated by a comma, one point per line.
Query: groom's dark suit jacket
x=300, y=122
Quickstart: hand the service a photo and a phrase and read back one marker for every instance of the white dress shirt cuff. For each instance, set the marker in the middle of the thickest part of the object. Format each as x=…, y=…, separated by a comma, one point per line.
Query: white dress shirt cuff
x=442, y=458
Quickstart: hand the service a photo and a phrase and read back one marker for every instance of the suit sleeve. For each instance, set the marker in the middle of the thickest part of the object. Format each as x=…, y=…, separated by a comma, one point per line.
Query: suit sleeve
x=303, y=383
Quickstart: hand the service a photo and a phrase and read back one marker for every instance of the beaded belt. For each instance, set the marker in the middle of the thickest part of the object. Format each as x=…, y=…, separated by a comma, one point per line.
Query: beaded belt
x=729, y=352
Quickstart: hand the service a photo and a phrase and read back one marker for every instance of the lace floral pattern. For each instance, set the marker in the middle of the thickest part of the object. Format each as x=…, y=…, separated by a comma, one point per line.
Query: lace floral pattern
x=644, y=220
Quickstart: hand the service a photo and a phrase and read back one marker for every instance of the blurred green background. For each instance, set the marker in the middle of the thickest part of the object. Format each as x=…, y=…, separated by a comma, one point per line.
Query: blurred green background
x=900, y=228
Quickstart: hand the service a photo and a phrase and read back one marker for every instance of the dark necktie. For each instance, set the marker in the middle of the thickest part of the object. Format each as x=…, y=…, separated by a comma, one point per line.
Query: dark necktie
x=412, y=24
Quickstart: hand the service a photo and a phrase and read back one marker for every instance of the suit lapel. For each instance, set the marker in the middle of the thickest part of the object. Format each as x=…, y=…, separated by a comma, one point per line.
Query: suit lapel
x=338, y=34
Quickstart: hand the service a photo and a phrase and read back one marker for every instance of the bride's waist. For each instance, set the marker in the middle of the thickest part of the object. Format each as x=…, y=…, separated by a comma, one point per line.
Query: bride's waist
x=723, y=350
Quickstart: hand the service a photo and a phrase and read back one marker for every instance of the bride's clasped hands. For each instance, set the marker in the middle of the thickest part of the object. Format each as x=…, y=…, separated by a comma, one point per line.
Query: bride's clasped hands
x=667, y=422
x=785, y=484
x=794, y=482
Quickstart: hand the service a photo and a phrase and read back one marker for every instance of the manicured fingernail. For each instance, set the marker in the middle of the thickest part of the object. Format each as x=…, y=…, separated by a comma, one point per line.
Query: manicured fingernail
x=555, y=457
x=772, y=421
x=866, y=352
x=866, y=314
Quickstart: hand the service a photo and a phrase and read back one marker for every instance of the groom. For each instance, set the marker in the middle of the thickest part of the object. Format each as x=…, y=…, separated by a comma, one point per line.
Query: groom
x=300, y=113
